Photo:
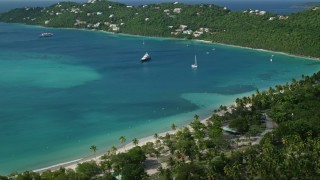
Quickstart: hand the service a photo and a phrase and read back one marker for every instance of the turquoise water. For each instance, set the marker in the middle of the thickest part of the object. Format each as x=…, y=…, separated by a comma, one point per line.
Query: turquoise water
x=62, y=94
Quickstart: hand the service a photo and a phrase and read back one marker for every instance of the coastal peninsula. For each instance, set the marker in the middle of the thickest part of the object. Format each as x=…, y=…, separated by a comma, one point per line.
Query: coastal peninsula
x=308, y=5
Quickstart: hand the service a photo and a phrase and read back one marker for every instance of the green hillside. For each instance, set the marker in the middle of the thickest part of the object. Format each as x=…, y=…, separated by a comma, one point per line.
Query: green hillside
x=296, y=33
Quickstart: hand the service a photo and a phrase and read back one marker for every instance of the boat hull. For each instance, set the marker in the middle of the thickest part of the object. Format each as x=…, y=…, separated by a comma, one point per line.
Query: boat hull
x=44, y=35
x=145, y=60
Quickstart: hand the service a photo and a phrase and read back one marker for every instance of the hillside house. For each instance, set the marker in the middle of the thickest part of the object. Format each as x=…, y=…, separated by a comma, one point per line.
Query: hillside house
x=177, y=10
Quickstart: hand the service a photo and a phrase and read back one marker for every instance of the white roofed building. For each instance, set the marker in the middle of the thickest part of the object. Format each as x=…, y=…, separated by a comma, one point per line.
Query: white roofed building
x=177, y=10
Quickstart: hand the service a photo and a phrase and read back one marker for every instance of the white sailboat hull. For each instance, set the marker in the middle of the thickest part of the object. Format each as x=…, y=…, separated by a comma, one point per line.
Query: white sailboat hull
x=195, y=65
x=146, y=57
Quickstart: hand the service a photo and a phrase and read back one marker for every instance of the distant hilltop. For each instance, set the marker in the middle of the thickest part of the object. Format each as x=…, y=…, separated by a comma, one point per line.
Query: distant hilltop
x=308, y=5
x=296, y=33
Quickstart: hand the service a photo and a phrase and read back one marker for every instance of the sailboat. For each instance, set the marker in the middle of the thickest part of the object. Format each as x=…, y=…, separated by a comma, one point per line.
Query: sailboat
x=195, y=65
x=145, y=57
x=46, y=34
x=271, y=58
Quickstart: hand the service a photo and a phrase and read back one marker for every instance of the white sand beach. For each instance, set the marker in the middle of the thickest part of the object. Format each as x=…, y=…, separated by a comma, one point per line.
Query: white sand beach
x=74, y=163
x=152, y=169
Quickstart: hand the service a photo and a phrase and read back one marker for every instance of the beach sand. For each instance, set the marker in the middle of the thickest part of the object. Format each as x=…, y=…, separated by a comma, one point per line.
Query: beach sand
x=73, y=164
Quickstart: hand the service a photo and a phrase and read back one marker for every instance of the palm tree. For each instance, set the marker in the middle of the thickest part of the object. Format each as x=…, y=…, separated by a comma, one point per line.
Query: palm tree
x=93, y=148
x=157, y=153
x=108, y=154
x=171, y=161
x=196, y=117
x=114, y=150
x=106, y=165
x=156, y=136
x=173, y=127
x=158, y=142
x=135, y=141
x=122, y=139
x=161, y=170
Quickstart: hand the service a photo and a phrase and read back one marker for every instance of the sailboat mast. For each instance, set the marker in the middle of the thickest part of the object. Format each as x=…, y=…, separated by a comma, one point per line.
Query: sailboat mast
x=195, y=60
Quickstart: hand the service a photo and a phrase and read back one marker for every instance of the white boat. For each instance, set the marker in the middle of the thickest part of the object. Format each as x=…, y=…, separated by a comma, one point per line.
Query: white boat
x=146, y=57
x=195, y=65
x=271, y=58
x=46, y=34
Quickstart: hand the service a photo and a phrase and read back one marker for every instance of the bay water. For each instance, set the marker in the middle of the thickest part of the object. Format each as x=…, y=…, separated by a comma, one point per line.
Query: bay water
x=62, y=94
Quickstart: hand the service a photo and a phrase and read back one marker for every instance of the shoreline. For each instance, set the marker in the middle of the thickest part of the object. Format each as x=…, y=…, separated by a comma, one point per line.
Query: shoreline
x=200, y=40
x=263, y=50
x=73, y=163
x=173, y=38
x=142, y=141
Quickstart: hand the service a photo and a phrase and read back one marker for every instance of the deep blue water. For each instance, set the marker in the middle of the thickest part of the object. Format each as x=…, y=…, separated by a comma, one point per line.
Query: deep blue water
x=6, y=5
x=279, y=7
x=62, y=94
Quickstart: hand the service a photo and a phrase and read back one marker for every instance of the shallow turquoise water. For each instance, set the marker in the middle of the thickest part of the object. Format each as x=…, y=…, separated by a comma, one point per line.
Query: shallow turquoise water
x=62, y=94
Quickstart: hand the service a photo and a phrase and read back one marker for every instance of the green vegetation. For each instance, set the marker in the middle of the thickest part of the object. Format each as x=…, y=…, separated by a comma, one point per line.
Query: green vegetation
x=297, y=33
x=204, y=151
x=308, y=5
x=135, y=141
x=277, y=130
x=173, y=127
x=93, y=148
